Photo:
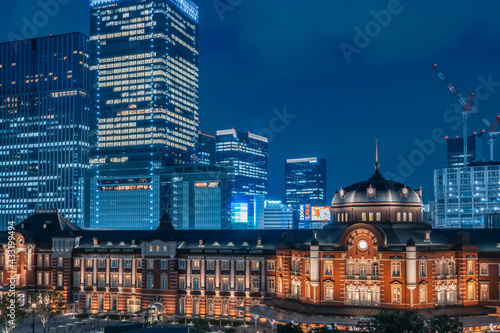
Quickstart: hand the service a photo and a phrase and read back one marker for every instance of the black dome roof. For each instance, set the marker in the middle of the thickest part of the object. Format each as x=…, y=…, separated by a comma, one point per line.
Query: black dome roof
x=385, y=191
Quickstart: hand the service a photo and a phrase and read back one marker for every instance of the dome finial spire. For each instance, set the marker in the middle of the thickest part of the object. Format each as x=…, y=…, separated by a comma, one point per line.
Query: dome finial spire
x=377, y=174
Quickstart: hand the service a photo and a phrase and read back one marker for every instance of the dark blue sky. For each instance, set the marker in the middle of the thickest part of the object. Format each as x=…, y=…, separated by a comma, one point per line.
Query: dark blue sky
x=257, y=56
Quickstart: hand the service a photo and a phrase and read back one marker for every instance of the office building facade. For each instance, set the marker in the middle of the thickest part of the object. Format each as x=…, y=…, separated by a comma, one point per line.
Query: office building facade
x=272, y=214
x=206, y=148
x=197, y=196
x=246, y=155
x=455, y=150
x=44, y=121
x=305, y=181
x=466, y=197
x=144, y=75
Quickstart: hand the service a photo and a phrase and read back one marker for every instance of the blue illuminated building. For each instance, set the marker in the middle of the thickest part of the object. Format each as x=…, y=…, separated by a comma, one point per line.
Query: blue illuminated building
x=44, y=126
x=305, y=181
x=145, y=77
x=246, y=156
x=206, y=148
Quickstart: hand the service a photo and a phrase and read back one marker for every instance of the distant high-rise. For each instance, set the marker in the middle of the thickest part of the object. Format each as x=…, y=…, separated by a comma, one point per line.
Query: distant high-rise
x=197, y=196
x=44, y=126
x=206, y=148
x=305, y=181
x=455, y=150
x=145, y=78
x=245, y=154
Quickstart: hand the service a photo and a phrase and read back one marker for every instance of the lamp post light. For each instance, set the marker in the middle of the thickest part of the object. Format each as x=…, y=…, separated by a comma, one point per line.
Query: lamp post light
x=33, y=307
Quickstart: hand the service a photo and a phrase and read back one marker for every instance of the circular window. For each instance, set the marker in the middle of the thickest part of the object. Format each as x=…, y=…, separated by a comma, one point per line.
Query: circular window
x=362, y=245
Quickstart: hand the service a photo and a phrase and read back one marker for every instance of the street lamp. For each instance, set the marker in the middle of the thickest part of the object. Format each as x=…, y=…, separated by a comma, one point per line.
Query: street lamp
x=33, y=306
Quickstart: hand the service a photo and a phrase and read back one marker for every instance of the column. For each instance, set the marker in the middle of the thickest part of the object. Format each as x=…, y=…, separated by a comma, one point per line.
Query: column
x=263, y=276
x=108, y=263
x=202, y=274
x=232, y=274
x=188, y=274
x=247, y=275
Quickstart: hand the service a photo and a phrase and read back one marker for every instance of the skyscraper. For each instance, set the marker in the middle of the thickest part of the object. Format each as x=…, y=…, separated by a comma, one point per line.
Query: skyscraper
x=206, y=148
x=246, y=156
x=145, y=78
x=44, y=122
x=305, y=181
x=197, y=196
x=455, y=150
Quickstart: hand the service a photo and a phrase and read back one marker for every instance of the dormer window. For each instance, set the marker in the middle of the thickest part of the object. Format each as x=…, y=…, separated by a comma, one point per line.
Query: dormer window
x=216, y=244
x=230, y=244
x=96, y=241
x=245, y=244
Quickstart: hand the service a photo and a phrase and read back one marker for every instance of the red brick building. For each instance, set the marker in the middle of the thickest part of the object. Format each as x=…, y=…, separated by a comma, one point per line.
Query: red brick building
x=378, y=255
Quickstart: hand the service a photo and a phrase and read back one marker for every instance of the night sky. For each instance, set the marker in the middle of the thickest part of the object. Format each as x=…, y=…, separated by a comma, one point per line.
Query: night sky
x=259, y=58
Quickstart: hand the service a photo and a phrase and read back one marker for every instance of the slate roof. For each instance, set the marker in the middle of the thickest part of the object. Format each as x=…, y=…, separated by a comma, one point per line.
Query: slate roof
x=42, y=227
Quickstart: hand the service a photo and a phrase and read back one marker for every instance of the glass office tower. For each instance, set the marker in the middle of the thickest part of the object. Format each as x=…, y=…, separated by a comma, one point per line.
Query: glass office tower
x=245, y=154
x=305, y=181
x=44, y=126
x=197, y=196
x=206, y=148
x=145, y=78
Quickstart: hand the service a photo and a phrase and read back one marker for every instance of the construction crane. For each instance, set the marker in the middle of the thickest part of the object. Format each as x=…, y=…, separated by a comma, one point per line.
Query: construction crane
x=469, y=108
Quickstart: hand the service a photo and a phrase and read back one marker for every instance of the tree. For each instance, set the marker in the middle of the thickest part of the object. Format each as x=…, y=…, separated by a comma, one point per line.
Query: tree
x=47, y=305
x=445, y=324
x=393, y=322
x=12, y=312
x=201, y=325
x=289, y=328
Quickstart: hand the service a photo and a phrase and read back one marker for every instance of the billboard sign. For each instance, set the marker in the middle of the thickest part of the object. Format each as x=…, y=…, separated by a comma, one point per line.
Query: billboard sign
x=320, y=213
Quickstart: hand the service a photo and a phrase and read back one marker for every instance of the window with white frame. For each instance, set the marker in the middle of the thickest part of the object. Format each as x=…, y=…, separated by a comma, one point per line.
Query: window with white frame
x=270, y=265
x=271, y=285
x=164, y=282
x=182, y=283
x=114, y=280
x=224, y=283
x=240, y=265
x=127, y=263
x=196, y=264
x=483, y=269
x=210, y=283
x=422, y=268
x=255, y=284
x=181, y=264
x=196, y=282
x=396, y=268
x=240, y=284
x=114, y=263
x=150, y=282
x=164, y=264
x=484, y=291
x=76, y=279
x=127, y=280
x=396, y=294
x=422, y=293
x=224, y=265
x=210, y=265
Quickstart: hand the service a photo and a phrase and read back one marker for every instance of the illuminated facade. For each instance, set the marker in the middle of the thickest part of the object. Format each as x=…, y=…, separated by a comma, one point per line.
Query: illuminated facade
x=206, y=148
x=197, y=196
x=305, y=181
x=246, y=155
x=272, y=214
x=455, y=150
x=44, y=126
x=209, y=274
x=467, y=197
x=145, y=78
